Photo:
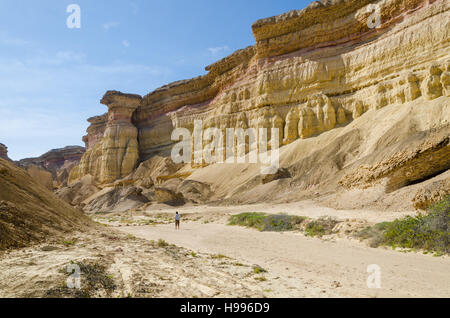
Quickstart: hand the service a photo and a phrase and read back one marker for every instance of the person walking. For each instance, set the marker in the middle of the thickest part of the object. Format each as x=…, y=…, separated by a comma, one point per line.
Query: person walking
x=177, y=221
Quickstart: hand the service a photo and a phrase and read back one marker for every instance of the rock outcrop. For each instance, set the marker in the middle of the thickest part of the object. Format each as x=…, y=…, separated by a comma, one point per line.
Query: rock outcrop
x=57, y=162
x=307, y=77
x=4, y=152
x=409, y=166
x=431, y=194
x=55, y=159
x=118, y=153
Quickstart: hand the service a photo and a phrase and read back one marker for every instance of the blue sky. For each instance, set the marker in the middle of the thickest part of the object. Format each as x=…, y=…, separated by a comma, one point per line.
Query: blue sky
x=52, y=77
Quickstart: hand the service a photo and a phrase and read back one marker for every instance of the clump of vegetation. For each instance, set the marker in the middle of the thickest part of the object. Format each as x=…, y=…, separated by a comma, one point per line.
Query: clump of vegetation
x=267, y=223
x=261, y=279
x=253, y=220
x=321, y=227
x=218, y=256
x=373, y=234
x=68, y=243
x=162, y=243
x=428, y=232
x=258, y=270
x=94, y=279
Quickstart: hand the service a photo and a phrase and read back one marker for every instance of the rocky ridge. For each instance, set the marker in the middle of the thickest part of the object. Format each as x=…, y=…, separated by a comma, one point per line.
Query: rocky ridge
x=53, y=168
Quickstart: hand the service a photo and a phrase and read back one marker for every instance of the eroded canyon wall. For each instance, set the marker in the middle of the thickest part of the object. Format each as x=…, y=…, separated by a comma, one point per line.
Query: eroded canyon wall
x=309, y=72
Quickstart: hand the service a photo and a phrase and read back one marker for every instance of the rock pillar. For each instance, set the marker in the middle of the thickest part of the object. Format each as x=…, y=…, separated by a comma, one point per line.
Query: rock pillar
x=120, y=152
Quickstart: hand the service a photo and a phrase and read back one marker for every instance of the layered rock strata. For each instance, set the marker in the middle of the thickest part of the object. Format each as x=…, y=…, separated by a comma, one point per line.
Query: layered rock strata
x=305, y=76
x=116, y=153
x=55, y=159
x=53, y=168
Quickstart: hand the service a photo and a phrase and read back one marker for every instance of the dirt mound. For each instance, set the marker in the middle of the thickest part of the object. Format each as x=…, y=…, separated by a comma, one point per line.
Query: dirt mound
x=410, y=164
x=41, y=176
x=195, y=191
x=78, y=191
x=29, y=212
x=116, y=199
x=170, y=197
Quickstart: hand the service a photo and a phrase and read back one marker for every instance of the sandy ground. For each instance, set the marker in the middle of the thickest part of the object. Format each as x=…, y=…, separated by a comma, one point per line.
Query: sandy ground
x=208, y=258
x=136, y=268
x=312, y=267
x=307, y=267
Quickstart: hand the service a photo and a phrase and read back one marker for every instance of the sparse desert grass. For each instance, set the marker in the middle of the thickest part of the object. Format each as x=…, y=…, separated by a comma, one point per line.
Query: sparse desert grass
x=239, y=264
x=427, y=232
x=320, y=227
x=162, y=243
x=373, y=234
x=69, y=242
x=94, y=279
x=218, y=256
x=131, y=237
x=267, y=223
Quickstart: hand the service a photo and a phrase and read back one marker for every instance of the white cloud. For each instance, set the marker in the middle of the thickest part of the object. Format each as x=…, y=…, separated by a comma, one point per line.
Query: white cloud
x=7, y=40
x=126, y=43
x=57, y=59
x=218, y=50
x=110, y=25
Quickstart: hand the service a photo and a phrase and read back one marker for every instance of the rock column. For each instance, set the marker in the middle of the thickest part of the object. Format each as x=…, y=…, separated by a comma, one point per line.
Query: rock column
x=120, y=152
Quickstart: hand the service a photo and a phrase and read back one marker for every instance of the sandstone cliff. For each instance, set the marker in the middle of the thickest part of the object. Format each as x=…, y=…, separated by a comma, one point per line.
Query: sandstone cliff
x=339, y=91
x=53, y=166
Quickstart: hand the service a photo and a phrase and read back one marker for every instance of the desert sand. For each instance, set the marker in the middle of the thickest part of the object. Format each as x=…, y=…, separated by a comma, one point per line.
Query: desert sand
x=208, y=258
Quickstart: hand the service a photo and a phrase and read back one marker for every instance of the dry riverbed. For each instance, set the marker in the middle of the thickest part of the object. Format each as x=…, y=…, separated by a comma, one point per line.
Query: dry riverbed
x=140, y=254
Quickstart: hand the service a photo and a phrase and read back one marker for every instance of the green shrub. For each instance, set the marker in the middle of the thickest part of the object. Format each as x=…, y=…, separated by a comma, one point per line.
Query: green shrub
x=320, y=227
x=258, y=270
x=282, y=222
x=254, y=220
x=428, y=232
x=374, y=234
x=267, y=223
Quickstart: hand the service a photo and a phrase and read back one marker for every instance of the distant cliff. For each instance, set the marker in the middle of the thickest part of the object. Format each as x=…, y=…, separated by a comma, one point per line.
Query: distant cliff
x=54, y=165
